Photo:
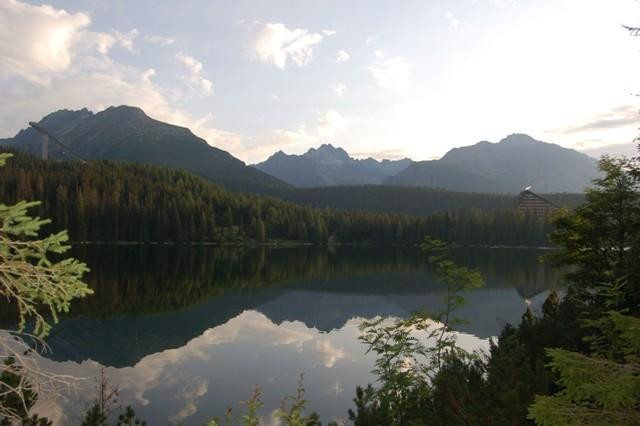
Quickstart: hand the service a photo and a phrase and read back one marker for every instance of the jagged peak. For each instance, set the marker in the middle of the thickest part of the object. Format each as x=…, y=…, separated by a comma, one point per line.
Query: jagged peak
x=84, y=112
x=278, y=154
x=327, y=150
x=327, y=146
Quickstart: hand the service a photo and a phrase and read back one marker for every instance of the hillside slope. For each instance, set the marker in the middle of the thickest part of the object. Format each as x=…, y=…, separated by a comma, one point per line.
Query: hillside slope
x=510, y=165
x=126, y=133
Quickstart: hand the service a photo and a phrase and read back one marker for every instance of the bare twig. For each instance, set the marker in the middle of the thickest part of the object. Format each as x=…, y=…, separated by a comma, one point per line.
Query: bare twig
x=23, y=351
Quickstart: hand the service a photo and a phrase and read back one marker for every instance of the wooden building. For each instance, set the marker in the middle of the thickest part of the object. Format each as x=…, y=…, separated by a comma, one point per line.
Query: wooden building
x=533, y=204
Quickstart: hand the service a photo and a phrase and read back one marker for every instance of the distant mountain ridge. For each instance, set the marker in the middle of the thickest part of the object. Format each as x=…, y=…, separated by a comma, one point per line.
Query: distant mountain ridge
x=328, y=166
x=126, y=133
x=507, y=166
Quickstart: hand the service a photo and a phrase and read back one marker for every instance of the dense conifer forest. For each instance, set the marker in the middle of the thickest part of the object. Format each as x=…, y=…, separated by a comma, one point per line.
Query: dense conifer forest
x=411, y=200
x=104, y=201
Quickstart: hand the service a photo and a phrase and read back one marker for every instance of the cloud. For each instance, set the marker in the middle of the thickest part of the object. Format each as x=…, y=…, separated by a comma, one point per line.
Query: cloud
x=617, y=117
x=390, y=73
x=331, y=123
x=370, y=39
x=175, y=383
x=629, y=149
x=162, y=41
x=328, y=32
x=336, y=389
x=338, y=89
x=190, y=393
x=126, y=39
x=146, y=76
x=326, y=125
x=87, y=41
x=36, y=41
x=342, y=56
x=278, y=45
x=388, y=154
x=195, y=69
x=454, y=23
x=282, y=139
x=330, y=354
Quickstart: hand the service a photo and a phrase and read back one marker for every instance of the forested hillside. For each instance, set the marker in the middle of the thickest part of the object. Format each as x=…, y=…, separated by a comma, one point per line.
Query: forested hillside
x=413, y=200
x=104, y=201
x=126, y=133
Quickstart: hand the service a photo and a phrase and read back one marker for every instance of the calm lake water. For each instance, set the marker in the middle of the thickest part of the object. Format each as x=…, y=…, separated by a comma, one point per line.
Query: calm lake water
x=185, y=332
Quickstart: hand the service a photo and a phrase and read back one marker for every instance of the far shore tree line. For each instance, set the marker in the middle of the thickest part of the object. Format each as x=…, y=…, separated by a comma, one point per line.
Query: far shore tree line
x=130, y=202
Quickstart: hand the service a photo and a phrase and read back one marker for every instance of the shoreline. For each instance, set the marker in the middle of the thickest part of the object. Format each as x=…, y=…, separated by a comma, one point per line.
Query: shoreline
x=292, y=244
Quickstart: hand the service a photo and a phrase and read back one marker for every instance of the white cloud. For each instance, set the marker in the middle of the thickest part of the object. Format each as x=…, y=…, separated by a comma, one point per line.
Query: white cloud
x=36, y=41
x=371, y=39
x=328, y=32
x=327, y=125
x=338, y=89
x=146, y=76
x=454, y=23
x=176, y=382
x=330, y=353
x=190, y=393
x=342, y=56
x=126, y=39
x=390, y=73
x=195, y=69
x=331, y=123
x=278, y=45
x=283, y=139
x=622, y=116
x=336, y=389
x=162, y=41
x=87, y=41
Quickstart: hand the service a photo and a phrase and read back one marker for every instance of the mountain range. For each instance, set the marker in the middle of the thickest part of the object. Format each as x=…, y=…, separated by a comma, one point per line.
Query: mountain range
x=126, y=133
x=510, y=165
x=329, y=166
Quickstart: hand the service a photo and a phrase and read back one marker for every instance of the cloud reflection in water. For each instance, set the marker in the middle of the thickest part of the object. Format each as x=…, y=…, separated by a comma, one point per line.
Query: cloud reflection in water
x=199, y=380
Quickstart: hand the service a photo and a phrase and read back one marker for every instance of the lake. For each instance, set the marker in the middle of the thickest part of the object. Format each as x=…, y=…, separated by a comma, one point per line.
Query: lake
x=185, y=332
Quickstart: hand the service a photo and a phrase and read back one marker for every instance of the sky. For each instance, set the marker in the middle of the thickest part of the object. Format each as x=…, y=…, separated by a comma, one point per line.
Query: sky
x=380, y=78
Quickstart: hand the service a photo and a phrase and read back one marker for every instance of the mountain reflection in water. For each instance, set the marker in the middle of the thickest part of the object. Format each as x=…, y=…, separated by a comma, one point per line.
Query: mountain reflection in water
x=186, y=331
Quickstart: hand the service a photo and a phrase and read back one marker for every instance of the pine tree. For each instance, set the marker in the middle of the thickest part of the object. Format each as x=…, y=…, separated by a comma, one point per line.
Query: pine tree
x=598, y=389
x=600, y=240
